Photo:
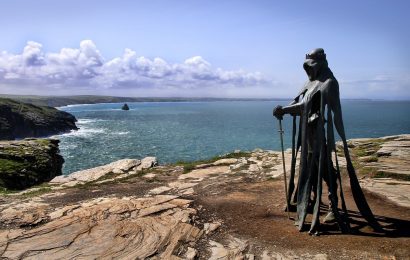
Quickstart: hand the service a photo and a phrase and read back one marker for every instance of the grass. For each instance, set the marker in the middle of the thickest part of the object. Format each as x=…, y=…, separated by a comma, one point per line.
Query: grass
x=5, y=191
x=372, y=158
x=366, y=171
x=12, y=166
x=95, y=183
x=396, y=176
x=38, y=192
x=273, y=179
x=369, y=150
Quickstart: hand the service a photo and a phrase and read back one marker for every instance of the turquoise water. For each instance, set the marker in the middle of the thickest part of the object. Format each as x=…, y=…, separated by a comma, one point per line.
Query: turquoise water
x=174, y=131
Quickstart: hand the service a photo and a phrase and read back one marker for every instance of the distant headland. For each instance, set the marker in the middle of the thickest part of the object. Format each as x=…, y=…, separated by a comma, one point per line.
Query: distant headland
x=59, y=101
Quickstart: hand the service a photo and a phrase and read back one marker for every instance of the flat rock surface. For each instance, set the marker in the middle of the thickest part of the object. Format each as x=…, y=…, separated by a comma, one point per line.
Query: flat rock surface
x=227, y=209
x=387, y=161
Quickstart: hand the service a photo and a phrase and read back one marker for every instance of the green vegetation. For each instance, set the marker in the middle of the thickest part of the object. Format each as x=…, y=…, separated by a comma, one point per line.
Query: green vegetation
x=20, y=120
x=366, y=171
x=11, y=166
x=397, y=176
x=28, y=162
x=24, y=108
x=367, y=154
x=372, y=158
x=37, y=192
x=5, y=191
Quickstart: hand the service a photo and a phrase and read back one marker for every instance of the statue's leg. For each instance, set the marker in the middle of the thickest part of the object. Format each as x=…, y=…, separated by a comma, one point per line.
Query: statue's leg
x=332, y=194
x=314, y=159
x=334, y=214
x=315, y=171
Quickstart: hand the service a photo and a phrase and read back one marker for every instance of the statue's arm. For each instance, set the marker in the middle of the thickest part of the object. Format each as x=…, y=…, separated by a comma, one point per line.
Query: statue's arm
x=294, y=108
x=333, y=96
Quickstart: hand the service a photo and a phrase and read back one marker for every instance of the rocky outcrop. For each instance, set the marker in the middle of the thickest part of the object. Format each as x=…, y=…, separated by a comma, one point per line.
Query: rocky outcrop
x=227, y=208
x=114, y=170
x=20, y=120
x=124, y=228
x=385, y=162
x=28, y=162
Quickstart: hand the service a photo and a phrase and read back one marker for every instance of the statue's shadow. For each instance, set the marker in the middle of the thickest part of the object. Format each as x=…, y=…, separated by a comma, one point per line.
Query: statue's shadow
x=392, y=227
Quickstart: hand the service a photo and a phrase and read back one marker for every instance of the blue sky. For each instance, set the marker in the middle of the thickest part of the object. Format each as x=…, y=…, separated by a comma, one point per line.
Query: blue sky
x=202, y=48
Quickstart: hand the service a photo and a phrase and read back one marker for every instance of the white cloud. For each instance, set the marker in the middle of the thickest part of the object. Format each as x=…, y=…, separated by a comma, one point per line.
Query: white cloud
x=383, y=86
x=85, y=67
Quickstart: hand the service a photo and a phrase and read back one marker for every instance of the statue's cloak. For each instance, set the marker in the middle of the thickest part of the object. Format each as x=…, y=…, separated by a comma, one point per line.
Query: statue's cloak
x=320, y=113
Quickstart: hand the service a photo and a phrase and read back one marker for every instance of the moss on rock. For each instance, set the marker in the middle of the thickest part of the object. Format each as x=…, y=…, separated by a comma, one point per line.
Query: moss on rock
x=28, y=162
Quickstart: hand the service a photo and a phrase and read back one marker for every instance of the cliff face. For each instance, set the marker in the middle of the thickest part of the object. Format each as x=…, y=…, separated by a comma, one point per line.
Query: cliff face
x=28, y=162
x=20, y=120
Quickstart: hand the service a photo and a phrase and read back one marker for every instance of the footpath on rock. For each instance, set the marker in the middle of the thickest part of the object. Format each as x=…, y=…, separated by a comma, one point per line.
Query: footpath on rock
x=231, y=207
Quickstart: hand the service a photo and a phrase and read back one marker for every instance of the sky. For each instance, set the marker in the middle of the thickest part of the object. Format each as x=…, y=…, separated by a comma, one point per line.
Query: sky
x=181, y=48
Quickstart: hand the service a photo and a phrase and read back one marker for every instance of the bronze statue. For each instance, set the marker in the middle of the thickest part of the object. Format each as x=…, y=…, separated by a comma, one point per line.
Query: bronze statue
x=318, y=106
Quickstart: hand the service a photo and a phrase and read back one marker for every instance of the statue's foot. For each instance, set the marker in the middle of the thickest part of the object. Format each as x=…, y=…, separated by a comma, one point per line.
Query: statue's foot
x=330, y=217
x=314, y=233
x=292, y=208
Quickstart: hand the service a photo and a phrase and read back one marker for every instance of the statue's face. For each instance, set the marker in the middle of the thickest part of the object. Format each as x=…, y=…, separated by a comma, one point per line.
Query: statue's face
x=312, y=68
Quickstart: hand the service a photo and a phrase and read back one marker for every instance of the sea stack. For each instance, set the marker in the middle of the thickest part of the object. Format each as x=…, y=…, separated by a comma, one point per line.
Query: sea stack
x=125, y=107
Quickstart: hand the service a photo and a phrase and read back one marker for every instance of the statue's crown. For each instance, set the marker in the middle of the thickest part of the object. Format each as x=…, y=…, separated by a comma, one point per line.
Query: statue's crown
x=316, y=54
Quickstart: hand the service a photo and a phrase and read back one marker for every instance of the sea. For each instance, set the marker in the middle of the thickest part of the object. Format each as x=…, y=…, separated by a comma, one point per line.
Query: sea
x=188, y=131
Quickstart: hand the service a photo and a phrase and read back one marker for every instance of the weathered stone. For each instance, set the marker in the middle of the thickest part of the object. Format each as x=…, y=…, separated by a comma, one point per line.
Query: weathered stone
x=23, y=214
x=190, y=253
x=393, y=162
x=101, y=223
x=395, y=191
x=211, y=227
x=235, y=249
x=96, y=172
x=219, y=162
x=147, y=163
x=200, y=173
x=159, y=190
x=254, y=168
x=240, y=163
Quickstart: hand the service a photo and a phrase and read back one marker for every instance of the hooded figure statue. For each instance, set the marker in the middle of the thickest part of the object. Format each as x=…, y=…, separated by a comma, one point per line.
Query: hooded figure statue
x=318, y=106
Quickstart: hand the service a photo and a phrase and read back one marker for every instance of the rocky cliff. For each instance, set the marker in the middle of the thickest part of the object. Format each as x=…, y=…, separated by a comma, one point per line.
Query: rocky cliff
x=28, y=162
x=20, y=120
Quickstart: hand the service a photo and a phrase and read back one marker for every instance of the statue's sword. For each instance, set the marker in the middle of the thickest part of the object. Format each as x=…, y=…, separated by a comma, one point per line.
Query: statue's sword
x=284, y=167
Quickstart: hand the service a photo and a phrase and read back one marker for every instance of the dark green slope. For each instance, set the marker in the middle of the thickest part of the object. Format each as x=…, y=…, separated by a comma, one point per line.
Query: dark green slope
x=20, y=120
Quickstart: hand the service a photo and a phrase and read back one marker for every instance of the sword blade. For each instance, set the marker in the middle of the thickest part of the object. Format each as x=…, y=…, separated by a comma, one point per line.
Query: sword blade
x=284, y=167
